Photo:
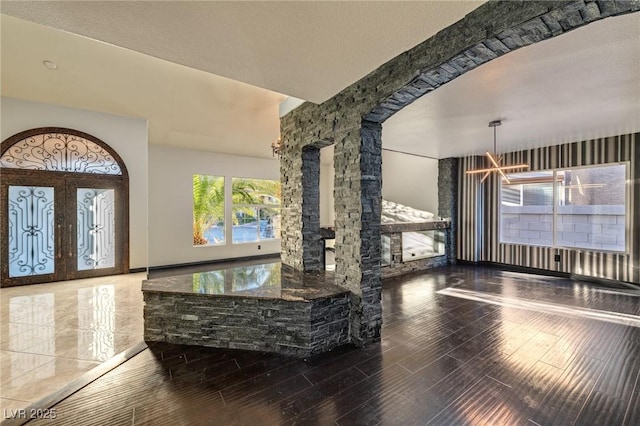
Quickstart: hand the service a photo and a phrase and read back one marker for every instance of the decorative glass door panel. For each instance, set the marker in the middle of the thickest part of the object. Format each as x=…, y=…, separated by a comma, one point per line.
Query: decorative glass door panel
x=95, y=228
x=71, y=229
x=96, y=221
x=31, y=229
x=64, y=209
x=31, y=236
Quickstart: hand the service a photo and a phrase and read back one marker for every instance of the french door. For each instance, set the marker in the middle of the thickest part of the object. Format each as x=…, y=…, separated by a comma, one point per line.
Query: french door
x=58, y=226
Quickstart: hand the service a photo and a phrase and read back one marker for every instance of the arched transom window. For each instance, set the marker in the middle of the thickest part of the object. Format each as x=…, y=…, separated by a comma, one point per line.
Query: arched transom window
x=62, y=152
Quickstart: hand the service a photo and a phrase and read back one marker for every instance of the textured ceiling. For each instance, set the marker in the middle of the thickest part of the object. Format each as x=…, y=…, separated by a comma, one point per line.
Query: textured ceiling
x=307, y=49
x=184, y=107
x=580, y=85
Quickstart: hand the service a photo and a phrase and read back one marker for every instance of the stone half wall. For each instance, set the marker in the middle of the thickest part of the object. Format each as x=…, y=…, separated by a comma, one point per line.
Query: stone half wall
x=352, y=120
x=298, y=328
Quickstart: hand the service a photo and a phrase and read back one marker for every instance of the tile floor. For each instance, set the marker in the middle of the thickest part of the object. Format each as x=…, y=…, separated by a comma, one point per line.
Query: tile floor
x=53, y=333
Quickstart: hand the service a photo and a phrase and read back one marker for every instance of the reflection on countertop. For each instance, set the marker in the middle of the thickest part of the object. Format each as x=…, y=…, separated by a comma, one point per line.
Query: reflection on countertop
x=263, y=281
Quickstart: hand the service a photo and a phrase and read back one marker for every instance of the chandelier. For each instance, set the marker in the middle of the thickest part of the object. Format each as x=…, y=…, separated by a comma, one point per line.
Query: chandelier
x=495, y=160
x=276, y=147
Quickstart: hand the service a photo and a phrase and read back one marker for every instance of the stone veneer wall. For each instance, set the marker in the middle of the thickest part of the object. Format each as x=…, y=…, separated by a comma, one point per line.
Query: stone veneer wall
x=352, y=121
x=312, y=243
x=298, y=328
x=448, y=201
x=358, y=208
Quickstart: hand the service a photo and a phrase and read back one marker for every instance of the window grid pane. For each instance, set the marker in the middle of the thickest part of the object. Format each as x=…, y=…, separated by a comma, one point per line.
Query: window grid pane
x=208, y=210
x=589, y=210
x=526, y=215
x=256, y=210
x=245, y=225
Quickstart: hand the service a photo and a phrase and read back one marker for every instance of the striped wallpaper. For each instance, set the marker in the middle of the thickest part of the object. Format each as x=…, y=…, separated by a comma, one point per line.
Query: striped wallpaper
x=478, y=205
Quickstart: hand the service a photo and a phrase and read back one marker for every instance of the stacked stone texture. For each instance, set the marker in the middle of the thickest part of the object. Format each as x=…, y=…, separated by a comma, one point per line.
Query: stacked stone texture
x=370, y=198
x=291, y=184
x=298, y=328
x=312, y=245
x=448, y=201
x=346, y=120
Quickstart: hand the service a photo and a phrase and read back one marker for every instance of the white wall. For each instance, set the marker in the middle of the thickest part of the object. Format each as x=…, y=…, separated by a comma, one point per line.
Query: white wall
x=406, y=179
x=327, y=178
x=127, y=136
x=410, y=180
x=171, y=173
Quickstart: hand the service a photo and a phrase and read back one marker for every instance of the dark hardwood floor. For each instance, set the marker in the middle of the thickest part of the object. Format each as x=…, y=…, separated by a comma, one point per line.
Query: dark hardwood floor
x=543, y=350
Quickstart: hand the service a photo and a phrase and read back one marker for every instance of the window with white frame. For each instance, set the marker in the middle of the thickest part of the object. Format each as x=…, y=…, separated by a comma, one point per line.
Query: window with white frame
x=578, y=207
x=208, y=210
x=256, y=210
x=527, y=209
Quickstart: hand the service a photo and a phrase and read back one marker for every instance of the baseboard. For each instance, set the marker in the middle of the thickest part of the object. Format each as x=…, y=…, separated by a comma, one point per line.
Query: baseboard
x=526, y=269
x=545, y=272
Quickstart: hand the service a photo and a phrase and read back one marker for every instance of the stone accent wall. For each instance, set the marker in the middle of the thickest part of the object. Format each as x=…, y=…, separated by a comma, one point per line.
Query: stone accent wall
x=358, y=208
x=312, y=246
x=297, y=328
x=370, y=197
x=291, y=184
x=448, y=201
x=349, y=121
x=495, y=28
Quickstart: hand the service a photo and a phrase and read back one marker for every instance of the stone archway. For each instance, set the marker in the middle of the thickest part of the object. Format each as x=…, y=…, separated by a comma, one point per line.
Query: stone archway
x=353, y=119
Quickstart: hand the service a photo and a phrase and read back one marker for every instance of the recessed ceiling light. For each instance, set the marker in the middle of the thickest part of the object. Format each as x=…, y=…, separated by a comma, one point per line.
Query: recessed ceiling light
x=50, y=64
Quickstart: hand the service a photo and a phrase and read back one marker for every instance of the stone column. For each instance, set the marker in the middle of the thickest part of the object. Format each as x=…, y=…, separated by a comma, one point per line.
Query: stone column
x=358, y=195
x=291, y=182
x=311, y=242
x=448, y=200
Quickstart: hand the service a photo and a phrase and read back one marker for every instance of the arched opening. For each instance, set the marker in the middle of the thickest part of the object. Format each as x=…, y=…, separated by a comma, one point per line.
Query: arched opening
x=65, y=207
x=353, y=120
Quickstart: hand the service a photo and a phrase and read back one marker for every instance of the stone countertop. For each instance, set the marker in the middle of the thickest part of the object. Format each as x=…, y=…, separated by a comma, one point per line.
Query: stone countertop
x=393, y=227
x=387, y=228
x=264, y=281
